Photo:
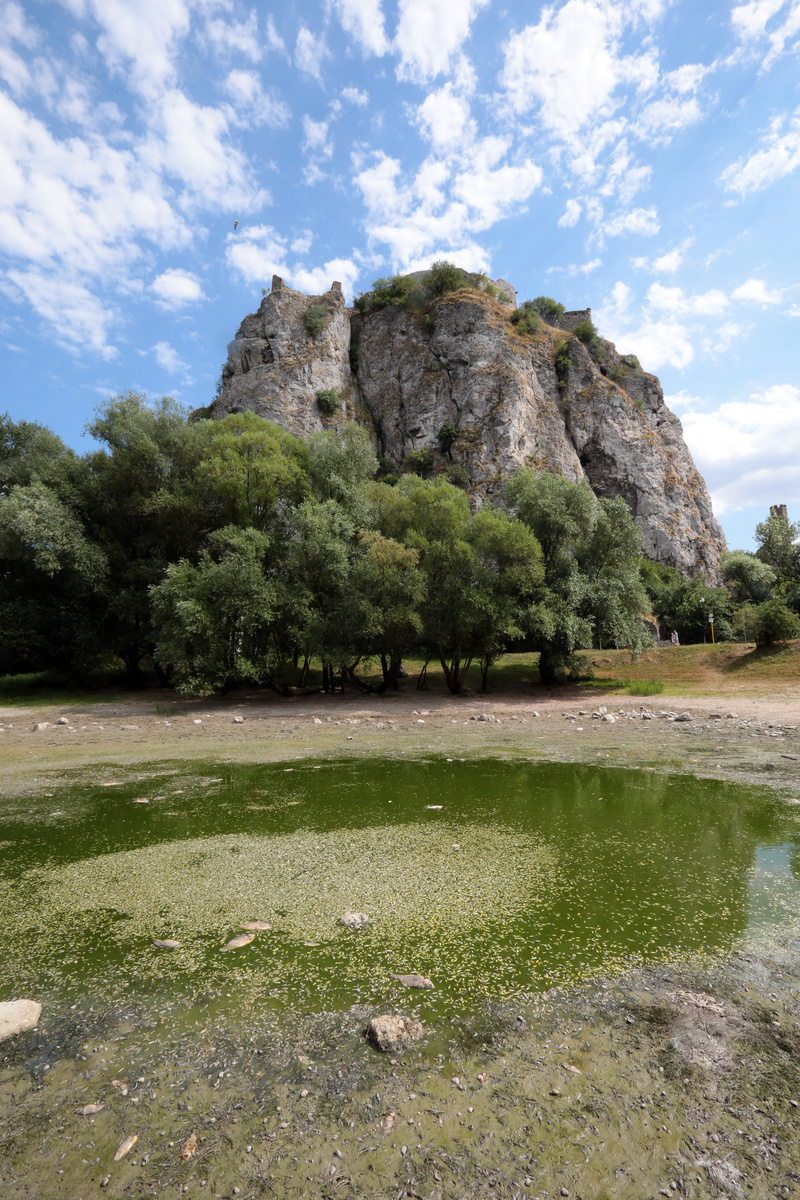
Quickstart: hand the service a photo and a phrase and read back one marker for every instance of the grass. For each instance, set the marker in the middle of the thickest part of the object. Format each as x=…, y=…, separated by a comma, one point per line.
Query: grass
x=698, y=670
x=645, y=687
x=39, y=688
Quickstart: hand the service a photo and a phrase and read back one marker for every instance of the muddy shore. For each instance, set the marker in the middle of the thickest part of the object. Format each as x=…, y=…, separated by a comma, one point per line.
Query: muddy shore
x=664, y=1081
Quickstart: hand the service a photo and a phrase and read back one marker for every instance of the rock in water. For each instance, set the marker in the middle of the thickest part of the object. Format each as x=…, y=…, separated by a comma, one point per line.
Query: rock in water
x=244, y=939
x=188, y=1148
x=389, y=1033
x=354, y=920
x=167, y=943
x=17, y=1016
x=257, y=926
x=414, y=980
x=125, y=1145
x=388, y=1122
x=90, y=1110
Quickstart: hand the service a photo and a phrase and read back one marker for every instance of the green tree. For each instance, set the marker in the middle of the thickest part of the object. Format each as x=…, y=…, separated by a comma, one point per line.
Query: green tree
x=750, y=577
x=508, y=572
x=773, y=622
x=444, y=277
x=50, y=574
x=214, y=619
x=340, y=462
x=251, y=466
x=550, y=310
x=592, y=586
x=387, y=590
x=145, y=504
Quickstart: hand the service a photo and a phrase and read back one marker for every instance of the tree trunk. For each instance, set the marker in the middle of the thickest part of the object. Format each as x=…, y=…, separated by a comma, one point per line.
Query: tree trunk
x=422, y=679
x=304, y=674
x=485, y=664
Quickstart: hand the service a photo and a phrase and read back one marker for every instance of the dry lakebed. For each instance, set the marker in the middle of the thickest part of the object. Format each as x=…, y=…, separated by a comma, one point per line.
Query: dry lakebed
x=608, y=911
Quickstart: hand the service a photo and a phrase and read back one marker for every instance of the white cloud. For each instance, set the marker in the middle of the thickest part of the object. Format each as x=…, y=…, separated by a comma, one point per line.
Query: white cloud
x=675, y=301
x=571, y=214
x=754, y=24
x=79, y=320
x=240, y=38
x=778, y=156
x=430, y=33
x=755, y=291
x=176, y=288
x=444, y=119
x=273, y=38
x=639, y=220
x=657, y=344
x=570, y=66
x=363, y=20
x=671, y=261
x=310, y=52
x=353, y=96
x=748, y=450
x=168, y=358
x=254, y=106
x=262, y=252
x=144, y=35
x=448, y=199
x=189, y=142
x=315, y=137
x=588, y=267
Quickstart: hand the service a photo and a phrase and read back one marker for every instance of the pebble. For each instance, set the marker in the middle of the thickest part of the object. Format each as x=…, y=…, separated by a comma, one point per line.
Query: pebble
x=90, y=1110
x=258, y=926
x=125, y=1145
x=240, y=721
x=188, y=1148
x=167, y=943
x=197, y=721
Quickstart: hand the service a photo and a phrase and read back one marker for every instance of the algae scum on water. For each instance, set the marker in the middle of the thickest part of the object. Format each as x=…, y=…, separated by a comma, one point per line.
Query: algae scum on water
x=495, y=879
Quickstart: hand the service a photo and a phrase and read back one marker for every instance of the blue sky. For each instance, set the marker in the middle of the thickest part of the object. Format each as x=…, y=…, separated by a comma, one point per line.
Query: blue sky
x=640, y=157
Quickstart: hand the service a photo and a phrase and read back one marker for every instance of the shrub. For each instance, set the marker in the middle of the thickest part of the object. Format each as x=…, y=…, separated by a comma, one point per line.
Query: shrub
x=562, y=365
x=426, y=323
x=526, y=318
x=585, y=332
x=446, y=437
x=444, y=277
x=547, y=308
x=328, y=400
x=419, y=462
x=502, y=298
x=774, y=622
x=457, y=474
x=314, y=318
x=390, y=291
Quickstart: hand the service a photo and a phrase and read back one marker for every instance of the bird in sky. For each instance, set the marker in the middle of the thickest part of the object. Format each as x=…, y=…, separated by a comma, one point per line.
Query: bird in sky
x=235, y=226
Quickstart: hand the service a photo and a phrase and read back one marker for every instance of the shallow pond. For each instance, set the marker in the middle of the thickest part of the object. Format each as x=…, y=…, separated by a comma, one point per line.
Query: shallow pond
x=493, y=878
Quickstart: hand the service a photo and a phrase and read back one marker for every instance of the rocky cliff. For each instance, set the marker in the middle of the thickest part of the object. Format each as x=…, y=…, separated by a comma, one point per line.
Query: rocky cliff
x=543, y=399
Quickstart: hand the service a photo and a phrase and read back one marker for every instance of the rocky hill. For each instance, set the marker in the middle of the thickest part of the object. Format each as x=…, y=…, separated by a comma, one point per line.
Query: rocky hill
x=515, y=396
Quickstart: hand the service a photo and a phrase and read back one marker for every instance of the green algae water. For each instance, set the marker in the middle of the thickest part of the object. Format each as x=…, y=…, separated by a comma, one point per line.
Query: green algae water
x=496, y=879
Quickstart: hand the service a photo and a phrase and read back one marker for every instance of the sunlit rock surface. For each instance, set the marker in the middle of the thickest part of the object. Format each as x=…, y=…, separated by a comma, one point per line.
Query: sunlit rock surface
x=404, y=374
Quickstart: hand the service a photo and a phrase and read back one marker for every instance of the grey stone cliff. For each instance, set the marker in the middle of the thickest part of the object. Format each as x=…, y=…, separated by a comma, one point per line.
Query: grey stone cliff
x=404, y=374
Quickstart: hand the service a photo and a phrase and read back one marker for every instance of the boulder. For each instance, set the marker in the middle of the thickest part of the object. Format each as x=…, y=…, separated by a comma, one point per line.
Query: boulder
x=415, y=981
x=389, y=1033
x=17, y=1016
x=354, y=920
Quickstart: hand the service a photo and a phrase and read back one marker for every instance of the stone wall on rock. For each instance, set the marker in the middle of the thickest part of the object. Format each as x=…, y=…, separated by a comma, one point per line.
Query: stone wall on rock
x=460, y=360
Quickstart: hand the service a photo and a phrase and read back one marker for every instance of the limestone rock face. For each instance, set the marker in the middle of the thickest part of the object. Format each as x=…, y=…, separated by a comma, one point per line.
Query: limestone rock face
x=512, y=400
x=276, y=367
